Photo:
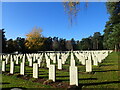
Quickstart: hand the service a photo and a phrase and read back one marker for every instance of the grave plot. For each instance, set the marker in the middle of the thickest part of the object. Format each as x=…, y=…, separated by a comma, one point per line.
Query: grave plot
x=62, y=78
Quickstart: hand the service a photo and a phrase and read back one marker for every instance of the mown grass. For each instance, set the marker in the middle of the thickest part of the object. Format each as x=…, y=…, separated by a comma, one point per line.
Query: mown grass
x=13, y=81
x=103, y=76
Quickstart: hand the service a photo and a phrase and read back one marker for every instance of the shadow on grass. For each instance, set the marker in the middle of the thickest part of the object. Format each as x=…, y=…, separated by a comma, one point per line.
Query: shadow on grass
x=62, y=76
x=43, y=73
x=5, y=83
x=61, y=80
x=30, y=74
x=14, y=88
x=98, y=83
x=43, y=76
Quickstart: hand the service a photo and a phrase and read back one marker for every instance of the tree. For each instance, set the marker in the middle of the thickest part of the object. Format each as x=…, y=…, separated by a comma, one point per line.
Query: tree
x=21, y=44
x=34, y=40
x=55, y=45
x=107, y=31
x=91, y=42
x=69, y=45
x=3, y=41
x=110, y=33
x=62, y=44
x=10, y=46
x=96, y=40
x=73, y=43
x=72, y=7
x=78, y=45
x=47, y=44
x=114, y=37
x=85, y=44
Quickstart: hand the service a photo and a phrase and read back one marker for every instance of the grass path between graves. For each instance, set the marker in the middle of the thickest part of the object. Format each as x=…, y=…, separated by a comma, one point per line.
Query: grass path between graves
x=12, y=82
x=103, y=76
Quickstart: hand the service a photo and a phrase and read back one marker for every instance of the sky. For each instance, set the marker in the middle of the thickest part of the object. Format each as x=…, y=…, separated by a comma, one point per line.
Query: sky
x=19, y=18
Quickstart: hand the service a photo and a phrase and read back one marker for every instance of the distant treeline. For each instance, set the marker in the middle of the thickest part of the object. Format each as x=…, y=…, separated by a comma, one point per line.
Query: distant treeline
x=94, y=42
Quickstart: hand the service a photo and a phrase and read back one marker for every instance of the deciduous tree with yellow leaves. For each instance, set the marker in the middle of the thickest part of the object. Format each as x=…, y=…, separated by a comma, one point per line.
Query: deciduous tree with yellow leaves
x=34, y=39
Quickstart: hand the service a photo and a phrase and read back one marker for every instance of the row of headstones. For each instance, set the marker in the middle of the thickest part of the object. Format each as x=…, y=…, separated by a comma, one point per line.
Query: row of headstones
x=52, y=71
x=90, y=58
x=85, y=58
x=73, y=69
x=22, y=64
x=96, y=57
x=82, y=56
x=56, y=58
x=86, y=62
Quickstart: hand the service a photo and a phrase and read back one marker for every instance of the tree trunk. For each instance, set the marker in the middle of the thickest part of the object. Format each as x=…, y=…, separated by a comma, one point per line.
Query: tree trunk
x=115, y=48
x=97, y=44
x=119, y=46
x=94, y=45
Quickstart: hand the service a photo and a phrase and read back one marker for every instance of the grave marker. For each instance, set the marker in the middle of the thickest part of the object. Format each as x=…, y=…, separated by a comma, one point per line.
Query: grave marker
x=73, y=70
x=22, y=68
x=12, y=67
x=3, y=66
x=88, y=66
x=35, y=70
x=52, y=72
x=59, y=63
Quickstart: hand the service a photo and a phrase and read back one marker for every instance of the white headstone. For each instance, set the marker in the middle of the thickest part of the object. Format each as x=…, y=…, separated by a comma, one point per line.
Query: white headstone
x=88, y=66
x=73, y=75
x=63, y=59
x=39, y=62
x=3, y=66
x=22, y=68
x=12, y=67
x=54, y=58
x=35, y=70
x=48, y=62
x=23, y=59
x=34, y=58
x=30, y=62
x=83, y=61
x=59, y=63
x=52, y=72
x=95, y=61
x=7, y=58
x=17, y=60
x=72, y=61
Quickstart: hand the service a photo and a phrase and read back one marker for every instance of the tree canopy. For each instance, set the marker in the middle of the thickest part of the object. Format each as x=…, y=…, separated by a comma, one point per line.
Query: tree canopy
x=112, y=27
x=34, y=39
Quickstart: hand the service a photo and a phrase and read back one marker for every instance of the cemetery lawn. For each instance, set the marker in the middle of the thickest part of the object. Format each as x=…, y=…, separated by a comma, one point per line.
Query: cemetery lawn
x=103, y=76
